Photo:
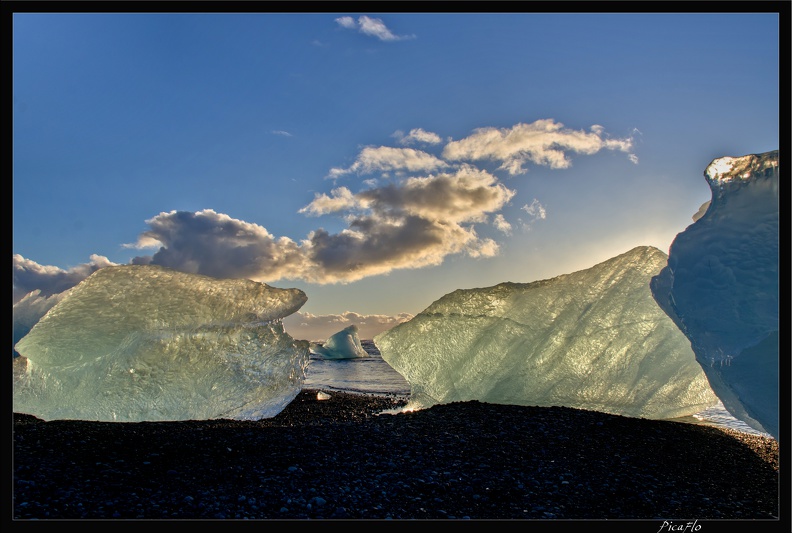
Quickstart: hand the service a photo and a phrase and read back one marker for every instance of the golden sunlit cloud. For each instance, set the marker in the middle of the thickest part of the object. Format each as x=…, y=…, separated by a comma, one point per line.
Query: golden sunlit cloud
x=386, y=158
x=543, y=142
x=426, y=210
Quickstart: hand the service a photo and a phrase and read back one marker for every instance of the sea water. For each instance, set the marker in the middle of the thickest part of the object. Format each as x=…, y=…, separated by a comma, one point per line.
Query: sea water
x=362, y=375
x=372, y=375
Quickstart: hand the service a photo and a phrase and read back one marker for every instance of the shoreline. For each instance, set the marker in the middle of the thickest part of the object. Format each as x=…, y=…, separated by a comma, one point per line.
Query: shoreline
x=340, y=459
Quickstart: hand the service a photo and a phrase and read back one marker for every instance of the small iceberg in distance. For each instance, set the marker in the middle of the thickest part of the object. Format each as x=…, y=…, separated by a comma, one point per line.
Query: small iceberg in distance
x=140, y=343
x=342, y=345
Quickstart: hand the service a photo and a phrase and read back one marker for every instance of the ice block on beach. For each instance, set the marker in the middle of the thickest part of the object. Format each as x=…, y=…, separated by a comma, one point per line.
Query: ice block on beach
x=721, y=287
x=593, y=339
x=146, y=343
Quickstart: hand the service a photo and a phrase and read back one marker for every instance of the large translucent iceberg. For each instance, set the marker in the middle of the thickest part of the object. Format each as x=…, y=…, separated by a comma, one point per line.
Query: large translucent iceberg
x=593, y=339
x=721, y=287
x=342, y=345
x=146, y=343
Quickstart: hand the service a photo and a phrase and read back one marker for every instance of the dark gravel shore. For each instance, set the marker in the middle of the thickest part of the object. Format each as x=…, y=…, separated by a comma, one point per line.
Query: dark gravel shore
x=337, y=459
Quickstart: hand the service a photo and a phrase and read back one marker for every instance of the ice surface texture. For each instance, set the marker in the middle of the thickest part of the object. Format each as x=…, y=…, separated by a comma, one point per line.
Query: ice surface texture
x=593, y=339
x=721, y=287
x=342, y=345
x=146, y=343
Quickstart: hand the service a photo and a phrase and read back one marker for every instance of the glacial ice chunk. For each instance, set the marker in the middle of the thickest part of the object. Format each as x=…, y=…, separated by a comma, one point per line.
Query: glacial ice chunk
x=342, y=345
x=721, y=287
x=594, y=339
x=146, y=343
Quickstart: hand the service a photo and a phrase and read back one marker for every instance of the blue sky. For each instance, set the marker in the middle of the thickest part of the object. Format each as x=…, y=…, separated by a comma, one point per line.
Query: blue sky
x=376, y=161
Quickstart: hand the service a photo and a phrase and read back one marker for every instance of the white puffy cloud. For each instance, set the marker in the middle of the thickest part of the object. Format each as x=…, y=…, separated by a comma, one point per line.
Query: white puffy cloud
x=543, y=142
x=373, y=27
x=346, y=22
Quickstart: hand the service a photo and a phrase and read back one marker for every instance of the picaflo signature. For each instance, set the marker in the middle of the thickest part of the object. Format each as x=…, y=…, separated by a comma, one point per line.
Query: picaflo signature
x=679, y=527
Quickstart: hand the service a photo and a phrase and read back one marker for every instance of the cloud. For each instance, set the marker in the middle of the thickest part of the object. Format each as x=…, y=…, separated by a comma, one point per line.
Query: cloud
x=465, y=196
x=411, y=224
x=536, y=210
x=501, y=224
x=374, y=246
x=386, y=159
x=283, y=133
x=372, y=27
x=544, y=142
x=346, y=22
x=425, y=211
x=415, y=223
x=214, y=244
x=29, y=276
x=417, y=135
x=144, y=241
x=28, y=311
x=340, y=199
x=319, y=327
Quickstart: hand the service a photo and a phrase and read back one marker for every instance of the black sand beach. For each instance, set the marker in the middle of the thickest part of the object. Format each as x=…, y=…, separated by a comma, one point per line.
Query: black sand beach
x=337, y=459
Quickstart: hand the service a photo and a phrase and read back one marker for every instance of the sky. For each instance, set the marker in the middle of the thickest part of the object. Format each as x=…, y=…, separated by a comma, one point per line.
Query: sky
x=376, y=161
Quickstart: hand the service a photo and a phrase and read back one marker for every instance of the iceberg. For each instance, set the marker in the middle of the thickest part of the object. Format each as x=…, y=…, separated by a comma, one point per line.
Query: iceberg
x=593, y=339
x=721, y=287
x=145, y=343
x=342, y=345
